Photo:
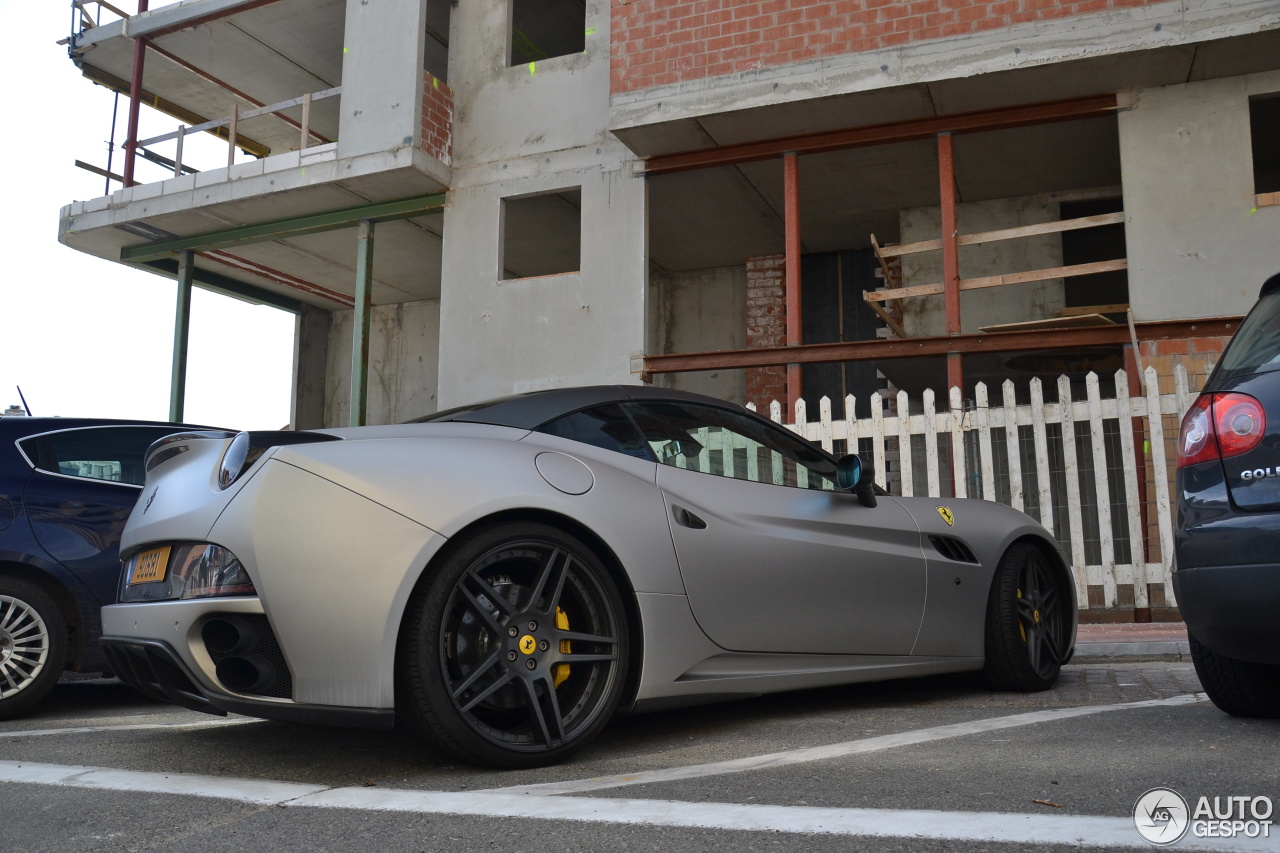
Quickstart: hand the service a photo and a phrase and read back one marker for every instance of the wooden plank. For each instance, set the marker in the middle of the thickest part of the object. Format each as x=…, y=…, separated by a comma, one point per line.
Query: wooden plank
x=884, y=267
x=850, y=425
x=1012, y=446
x=824, y=424
x=1118, y=308
x=1268, y=199
x=986, y=458
x=1037, y=229
x=1002, y=280
x=877, y=438
x=801, y=424
x=931, y=444
x=884, y=315
x=1079, y=321
x=98, y=170
x=1040, y=443
x=1105, y=573
x=1160, y=478
x=959, y=484
x=1135, y=573
x=1075, y=520
x=904, y=445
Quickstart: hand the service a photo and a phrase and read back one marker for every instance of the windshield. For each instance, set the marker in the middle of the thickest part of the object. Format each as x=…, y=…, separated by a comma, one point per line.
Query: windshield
x=1256, y=346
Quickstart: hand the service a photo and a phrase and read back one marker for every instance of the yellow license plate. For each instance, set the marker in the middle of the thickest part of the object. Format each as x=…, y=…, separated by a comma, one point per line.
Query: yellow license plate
x=150, y=566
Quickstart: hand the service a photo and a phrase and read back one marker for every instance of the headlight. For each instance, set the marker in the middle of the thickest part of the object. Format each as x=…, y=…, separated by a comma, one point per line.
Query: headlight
x=188, y=570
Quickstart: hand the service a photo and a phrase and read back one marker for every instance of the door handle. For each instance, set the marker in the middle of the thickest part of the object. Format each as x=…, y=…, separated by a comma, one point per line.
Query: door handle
x=684, y=518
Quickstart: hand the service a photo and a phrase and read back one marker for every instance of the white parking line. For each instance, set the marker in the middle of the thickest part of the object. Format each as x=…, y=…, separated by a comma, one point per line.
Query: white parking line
x=1025, y=829
x=125, y=727
x=835, y=750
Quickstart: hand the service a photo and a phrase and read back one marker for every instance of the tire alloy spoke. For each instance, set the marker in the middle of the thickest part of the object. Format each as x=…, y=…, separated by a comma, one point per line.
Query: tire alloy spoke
x=480, y=610
x=476, y=674
x=497, y=684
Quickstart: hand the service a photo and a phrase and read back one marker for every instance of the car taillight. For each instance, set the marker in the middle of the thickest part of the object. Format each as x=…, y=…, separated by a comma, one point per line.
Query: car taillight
x=1219, y=426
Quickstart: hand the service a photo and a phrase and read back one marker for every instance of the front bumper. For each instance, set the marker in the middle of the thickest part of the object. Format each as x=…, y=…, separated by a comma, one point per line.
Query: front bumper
x=1233, y=610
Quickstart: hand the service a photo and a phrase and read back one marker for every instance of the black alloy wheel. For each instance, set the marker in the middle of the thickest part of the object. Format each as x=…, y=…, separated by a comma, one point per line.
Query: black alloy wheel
x=514, y=653
x=1028, y=623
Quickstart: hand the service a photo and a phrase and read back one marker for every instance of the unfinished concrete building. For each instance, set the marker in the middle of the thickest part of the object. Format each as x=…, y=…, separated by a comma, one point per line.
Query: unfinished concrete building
x=699, y=193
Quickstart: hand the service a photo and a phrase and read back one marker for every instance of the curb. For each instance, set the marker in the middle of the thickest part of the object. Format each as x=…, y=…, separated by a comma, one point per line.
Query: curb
x=1162, y=650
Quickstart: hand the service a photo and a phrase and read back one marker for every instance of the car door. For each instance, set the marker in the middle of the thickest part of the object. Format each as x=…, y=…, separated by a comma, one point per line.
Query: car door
x=773, y=557
x=80, y=494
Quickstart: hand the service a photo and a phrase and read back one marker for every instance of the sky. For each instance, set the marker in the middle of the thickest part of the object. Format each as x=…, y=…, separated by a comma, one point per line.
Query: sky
x=84, y=336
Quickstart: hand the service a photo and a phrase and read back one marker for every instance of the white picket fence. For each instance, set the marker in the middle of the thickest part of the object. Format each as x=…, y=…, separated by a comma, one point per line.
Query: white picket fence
x=1086, y=491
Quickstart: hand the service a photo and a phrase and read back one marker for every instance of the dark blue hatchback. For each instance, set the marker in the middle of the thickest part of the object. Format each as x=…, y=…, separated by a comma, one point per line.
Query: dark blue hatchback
x=1227, y=540
x=67, y=486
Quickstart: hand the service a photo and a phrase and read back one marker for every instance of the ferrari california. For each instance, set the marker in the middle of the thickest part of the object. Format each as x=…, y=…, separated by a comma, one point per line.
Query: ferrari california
x=500, y=579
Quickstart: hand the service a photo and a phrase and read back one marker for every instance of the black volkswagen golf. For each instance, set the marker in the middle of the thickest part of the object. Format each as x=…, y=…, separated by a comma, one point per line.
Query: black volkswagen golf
x=1227, y=542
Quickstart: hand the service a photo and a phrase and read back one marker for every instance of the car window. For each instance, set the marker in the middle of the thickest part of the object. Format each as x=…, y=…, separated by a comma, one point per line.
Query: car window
x=604, y=426
x=113, y=454
x=1256, y=345
x=728, y=444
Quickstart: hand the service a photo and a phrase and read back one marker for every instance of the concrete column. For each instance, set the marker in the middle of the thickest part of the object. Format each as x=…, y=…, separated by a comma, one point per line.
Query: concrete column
x=181, y=336
x=381, y=75
x=310, y=358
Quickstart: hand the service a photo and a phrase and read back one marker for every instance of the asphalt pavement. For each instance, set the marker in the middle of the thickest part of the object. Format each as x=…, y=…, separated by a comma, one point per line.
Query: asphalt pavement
x=938, y=763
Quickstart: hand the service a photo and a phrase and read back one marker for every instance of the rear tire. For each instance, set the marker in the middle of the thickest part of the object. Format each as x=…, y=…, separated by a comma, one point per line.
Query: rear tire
x=513, y=654
x=1028, y=623
x=1241, y=688
x=33, y=645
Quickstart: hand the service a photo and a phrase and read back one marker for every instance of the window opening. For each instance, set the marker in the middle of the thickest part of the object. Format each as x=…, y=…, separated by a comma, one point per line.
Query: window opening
x=541, y=29
x=1264, y=129
x=436, y=48
x=542, y=234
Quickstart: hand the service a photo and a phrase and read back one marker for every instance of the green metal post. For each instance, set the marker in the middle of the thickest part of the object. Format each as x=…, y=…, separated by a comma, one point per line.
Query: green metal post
x=181, y=336
x=360, y=324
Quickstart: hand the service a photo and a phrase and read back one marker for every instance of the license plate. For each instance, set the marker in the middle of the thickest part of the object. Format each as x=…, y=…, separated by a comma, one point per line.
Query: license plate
x=150, y=566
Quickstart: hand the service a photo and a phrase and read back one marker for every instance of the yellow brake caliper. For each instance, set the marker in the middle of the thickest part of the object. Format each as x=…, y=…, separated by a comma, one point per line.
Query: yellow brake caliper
x=562, y=670
x=1022, y=629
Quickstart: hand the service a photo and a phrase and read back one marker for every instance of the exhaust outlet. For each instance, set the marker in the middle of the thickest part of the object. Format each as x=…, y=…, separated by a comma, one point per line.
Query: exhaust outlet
x=247, y=674
x=228, y=635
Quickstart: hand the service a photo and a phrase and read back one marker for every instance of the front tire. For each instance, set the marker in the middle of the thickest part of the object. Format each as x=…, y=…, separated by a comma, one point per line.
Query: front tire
x=33, y=645
x=1028, y=624
x=1241, y=688
x=513, y=654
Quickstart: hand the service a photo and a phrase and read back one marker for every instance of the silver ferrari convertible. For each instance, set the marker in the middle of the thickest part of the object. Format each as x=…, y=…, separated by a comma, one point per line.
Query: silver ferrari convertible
x=500, y=579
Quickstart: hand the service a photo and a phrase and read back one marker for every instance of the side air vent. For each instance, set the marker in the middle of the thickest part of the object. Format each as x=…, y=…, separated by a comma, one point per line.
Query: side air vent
x=953, y=549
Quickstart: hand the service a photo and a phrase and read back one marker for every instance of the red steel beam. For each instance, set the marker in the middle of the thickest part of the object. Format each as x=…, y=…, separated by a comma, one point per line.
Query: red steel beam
x=1024, y=341
x=950, y=256
x=882, y=134
x=791, y=214
x=135, y=101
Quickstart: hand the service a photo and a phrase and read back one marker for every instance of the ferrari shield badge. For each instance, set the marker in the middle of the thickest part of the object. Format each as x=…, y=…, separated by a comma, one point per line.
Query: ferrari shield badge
x=945, y=512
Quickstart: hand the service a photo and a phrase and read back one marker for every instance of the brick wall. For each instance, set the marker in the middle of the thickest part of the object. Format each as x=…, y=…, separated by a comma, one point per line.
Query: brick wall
x=766, y=327
x=437, y=119
x=660, y=42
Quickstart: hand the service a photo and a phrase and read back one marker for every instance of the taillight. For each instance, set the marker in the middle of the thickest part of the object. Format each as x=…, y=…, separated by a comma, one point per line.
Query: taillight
x=1219, y=426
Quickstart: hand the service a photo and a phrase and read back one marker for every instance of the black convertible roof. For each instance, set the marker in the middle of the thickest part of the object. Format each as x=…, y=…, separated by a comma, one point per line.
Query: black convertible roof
x=532, y=410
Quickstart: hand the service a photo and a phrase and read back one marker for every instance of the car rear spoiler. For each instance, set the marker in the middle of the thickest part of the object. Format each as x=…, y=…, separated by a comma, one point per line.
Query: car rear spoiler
x=174, y=445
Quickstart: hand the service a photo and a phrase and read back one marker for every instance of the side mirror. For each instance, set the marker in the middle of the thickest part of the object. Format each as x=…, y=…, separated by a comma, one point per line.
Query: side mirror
x=854, y=475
